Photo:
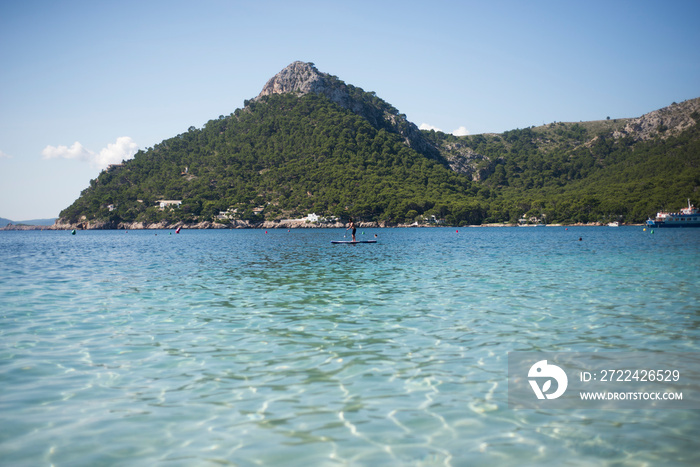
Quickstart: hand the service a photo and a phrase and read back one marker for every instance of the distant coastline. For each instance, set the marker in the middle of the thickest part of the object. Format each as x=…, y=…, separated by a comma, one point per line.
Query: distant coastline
x=33, y=222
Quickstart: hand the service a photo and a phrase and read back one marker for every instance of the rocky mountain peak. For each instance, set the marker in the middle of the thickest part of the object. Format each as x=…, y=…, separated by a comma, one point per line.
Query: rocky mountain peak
x=298, y=77
x=303, y=78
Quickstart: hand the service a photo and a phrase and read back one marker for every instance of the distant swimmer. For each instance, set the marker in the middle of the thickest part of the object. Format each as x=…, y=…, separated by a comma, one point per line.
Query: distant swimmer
x=354, y=229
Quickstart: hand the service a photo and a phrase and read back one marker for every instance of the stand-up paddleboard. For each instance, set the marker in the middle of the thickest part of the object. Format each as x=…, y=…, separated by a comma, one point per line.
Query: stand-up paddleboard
x=350, y=242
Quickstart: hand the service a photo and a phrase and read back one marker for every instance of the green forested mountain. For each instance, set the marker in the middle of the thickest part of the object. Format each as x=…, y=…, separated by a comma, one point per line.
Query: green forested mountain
x=590, y=171
x=292, y=155
x=311, y=143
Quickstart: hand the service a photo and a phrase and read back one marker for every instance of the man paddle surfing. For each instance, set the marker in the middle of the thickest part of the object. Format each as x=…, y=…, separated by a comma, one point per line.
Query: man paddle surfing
x=352, y=226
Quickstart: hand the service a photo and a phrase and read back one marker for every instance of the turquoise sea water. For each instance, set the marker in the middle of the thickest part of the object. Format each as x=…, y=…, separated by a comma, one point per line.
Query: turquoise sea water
x=241, y=347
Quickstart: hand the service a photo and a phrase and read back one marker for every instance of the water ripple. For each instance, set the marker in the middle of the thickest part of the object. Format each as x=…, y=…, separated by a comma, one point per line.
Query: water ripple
x=247, y=348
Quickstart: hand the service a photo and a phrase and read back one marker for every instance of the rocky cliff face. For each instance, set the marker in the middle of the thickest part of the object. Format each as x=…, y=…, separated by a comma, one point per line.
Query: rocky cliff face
x=302, y=78
x=463, y=159
x=664, y=122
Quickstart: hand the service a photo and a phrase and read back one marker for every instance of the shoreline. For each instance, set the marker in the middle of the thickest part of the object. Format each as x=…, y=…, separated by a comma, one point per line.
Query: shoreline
x=207, y=225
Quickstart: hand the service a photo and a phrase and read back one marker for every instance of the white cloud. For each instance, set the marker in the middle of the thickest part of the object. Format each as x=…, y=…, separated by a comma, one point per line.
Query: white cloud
x=77, y=151
x=123, y=149
x=461, y=131
x=425, y=126
x=4, y=156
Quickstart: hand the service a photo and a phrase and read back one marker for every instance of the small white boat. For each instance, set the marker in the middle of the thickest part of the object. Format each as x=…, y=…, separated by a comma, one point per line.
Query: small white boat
x=614, y=224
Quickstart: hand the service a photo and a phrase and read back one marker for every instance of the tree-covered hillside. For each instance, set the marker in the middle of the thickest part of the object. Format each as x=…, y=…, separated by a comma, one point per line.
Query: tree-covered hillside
x=291, y=155
x=311, y=143
x=583, y=172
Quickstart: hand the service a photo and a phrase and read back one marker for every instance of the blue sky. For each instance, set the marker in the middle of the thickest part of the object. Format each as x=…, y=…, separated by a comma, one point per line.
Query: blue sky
x=86, y=83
